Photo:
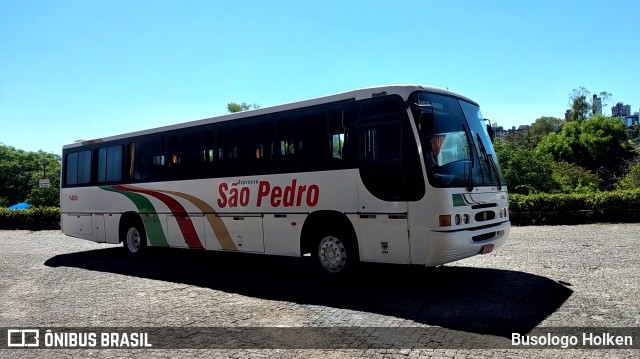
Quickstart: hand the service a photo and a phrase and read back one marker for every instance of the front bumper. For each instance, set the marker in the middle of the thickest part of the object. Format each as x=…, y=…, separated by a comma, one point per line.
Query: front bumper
x=445, y=247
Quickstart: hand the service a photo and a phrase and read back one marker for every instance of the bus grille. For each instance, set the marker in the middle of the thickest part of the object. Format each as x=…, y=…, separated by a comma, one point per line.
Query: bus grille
x=485, y=216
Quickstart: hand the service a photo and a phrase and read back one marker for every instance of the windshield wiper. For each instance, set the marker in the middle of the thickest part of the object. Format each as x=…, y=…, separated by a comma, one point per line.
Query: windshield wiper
x=492, y=162
x=471, y=162
x=495, y=168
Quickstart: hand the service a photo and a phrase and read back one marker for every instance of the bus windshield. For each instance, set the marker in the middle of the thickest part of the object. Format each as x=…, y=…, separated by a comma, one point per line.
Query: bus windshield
x=457, y=149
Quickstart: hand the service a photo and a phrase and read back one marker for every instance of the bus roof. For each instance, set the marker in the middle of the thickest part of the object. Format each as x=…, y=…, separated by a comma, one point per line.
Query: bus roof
x=360, y=94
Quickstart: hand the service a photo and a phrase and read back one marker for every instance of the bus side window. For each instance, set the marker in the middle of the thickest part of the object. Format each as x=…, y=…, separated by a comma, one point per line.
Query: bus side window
x=109, y=164
x=231, y=154
x=389, y=163
x=220, y=166
x=284, y=146
x=247, y=137
x=381, y=143
x=185, y=152
x=208, y=147
x=146, y=160
x=78, y=168
x=347, y=125
x=310, y=138
x=71, y=170
x=264, y=146
x=337, y=135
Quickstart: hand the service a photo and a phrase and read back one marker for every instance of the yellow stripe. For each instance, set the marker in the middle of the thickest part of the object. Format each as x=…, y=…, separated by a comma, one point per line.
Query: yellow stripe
x=219, y=229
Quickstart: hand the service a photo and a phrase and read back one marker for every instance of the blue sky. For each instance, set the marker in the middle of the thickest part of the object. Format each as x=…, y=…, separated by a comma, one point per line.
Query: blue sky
x=85, y=69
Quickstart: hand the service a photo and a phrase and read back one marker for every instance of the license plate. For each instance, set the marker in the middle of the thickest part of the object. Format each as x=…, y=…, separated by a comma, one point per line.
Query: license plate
x=487, y=248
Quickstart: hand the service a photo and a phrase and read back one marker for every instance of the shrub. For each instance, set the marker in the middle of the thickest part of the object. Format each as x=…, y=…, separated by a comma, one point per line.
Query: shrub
x=576, y=208
x=35, y=218
x=524, y=171
x=631, y=180
x=44, y=197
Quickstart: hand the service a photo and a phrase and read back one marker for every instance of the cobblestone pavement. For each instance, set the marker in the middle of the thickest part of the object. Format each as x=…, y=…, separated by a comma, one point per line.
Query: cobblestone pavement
x=561, y=276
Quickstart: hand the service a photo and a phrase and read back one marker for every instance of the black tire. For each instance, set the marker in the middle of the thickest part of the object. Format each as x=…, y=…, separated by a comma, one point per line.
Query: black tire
x=335, y=254
x=134, y=238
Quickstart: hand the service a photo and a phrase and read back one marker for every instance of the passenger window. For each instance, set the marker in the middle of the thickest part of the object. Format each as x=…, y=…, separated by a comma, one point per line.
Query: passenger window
x=381, y=142
x=110, y=164
x=146, y=160
x=72, y=169
x=78, y=168
x=389, y=163
x=185, y=155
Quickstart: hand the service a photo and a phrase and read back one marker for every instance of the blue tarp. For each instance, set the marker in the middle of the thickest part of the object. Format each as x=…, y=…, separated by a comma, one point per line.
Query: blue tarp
x=22, y=205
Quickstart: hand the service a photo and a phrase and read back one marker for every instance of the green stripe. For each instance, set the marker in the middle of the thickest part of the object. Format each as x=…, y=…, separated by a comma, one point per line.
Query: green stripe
x=458, y=200
x=151, y=221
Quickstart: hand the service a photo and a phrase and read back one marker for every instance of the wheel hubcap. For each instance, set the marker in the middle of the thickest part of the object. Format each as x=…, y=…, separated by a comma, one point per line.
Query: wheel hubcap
x=332, y=254
x=133, y=240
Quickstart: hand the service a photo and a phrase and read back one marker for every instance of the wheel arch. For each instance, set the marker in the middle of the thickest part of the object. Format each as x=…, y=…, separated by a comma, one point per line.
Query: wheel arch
x=326, y=221
x=127, y=219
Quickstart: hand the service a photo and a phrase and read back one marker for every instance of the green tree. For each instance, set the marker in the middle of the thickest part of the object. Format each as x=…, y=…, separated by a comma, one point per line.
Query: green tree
x=233, y=107
x=582, y=104
x=580, y=109
x=599, y=144
x=525, y=171
x=20, y=172
x=538, y=130
x=575, y=179
x=544, y=126
x=631, y=179
x=605, y=97
x=578, y=103
x=634, y=133
x=44, y=197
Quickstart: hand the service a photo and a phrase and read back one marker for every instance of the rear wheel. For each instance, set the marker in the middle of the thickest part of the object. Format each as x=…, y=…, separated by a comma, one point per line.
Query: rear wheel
x=134, y=239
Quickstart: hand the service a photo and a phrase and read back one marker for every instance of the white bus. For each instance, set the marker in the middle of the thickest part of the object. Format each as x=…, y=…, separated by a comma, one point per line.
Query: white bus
x=394, y=174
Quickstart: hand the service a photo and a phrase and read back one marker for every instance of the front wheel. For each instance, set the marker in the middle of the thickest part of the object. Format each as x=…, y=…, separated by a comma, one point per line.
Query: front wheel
x=335, y=256
x=134, y=240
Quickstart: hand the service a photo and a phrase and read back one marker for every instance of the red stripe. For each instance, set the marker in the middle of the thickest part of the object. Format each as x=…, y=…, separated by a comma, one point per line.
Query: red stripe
x=186, y=227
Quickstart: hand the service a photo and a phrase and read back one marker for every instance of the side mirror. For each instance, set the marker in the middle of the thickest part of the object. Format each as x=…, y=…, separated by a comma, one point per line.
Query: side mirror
x=490, y=132
x=490, y=129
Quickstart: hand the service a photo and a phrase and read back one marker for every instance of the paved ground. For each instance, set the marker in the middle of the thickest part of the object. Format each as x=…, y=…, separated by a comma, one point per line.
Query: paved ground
x=564, y=276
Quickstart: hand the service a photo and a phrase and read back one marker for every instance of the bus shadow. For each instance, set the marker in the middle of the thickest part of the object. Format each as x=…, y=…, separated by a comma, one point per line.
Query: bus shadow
x=477, y=300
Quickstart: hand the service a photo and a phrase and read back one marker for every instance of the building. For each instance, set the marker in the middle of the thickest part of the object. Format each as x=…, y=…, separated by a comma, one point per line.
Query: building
x=567, y=115
x=505, y=134
x=498, y=131
x=597, y=105
x=620, y=110
x=631, y=120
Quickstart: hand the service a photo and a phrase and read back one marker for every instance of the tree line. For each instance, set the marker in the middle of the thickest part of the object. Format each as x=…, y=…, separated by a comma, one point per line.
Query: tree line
x=20, y=172
x=588, y=153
